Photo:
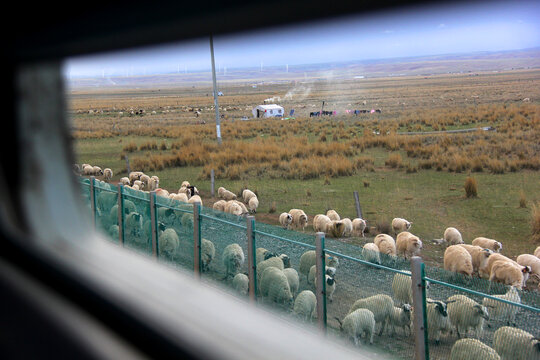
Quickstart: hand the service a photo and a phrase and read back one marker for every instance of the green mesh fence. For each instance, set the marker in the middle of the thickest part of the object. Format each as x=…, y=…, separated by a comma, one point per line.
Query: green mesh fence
x=357, y=283
x=497, y=316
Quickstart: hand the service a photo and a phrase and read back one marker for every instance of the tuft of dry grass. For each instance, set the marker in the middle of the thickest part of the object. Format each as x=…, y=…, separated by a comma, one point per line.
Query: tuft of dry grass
x=471, y=187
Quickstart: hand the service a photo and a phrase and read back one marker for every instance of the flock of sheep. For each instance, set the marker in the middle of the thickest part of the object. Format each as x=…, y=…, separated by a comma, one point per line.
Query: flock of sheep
x=278, y=281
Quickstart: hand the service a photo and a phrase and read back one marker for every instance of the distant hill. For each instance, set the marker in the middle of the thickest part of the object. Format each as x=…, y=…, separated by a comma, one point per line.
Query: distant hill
x=409, y=66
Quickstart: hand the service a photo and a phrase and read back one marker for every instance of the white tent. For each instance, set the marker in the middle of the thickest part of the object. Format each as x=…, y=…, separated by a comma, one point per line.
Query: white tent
x=266, y=111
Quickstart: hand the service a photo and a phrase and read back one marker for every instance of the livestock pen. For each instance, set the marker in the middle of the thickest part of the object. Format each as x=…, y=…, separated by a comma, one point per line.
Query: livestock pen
x=445, y=306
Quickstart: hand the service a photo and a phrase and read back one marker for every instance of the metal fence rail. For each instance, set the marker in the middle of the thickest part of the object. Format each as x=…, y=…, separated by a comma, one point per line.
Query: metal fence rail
x=340, y=277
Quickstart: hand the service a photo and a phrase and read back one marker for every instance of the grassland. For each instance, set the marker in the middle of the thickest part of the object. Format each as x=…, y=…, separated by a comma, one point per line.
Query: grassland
x=317, y=163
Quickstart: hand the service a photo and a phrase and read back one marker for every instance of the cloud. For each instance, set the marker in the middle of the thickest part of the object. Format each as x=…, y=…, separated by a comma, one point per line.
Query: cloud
x=388, y=31
x=441, y=26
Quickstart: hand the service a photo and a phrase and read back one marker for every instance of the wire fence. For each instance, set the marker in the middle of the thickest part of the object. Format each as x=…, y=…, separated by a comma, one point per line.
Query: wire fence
x=397, y=308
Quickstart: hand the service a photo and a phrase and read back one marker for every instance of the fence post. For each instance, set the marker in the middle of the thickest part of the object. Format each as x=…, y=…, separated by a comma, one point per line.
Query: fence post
x=320, y=263
x=252, y=263
x=93, y=198
x=197, y=239
x=120, y=215
x=212, y=183
x=153, y=224
x=357, y=204
x=418, y=285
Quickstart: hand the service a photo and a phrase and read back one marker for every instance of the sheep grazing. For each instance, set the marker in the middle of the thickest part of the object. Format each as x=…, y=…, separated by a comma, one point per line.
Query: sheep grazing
x=208, y=252
x=348, y=228
x=515, y=344
x=508, y=273
x=479, y=256
x=241, y=284
x=305, y=305
x=248, y=194
x=531, y=261
x=97, y=171
x=233, y=207
x=335, y=229
x=359, y=226
x=381, y=305
x=270, y=262
x=386, y=244
x=134, y=175
x=124, y=181
x=233, y=259
x=399, y=225
x=320, y=222
x=472, y=349
x=466, y=313
x=452, y=236
x=107, y=175
x=145, y=179
x=133, y=227
x=292, y=277
x=300, y=218
x=437, y=319
x=87, y=169
x=401, y=317
x=308, y=259
x=401, y=287
x=253, y=204
x=275, y=287
x=226, y=194
x=503, y=311
x=370, y=252
x=162, y=192
x=333, y=215
x=357, y=323
x=219, y=205
x=488, y=244
x=408, y=245
x=195, y=199
x=457, y=259
x=285, y=219
x=179, y=197
x=168, y=242
x=485, y=271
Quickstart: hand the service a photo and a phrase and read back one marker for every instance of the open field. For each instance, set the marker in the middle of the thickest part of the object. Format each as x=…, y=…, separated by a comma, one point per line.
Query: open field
x=316, y=163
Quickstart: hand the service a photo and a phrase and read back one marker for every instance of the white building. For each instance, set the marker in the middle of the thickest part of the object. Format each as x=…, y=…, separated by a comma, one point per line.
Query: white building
x=266, y=111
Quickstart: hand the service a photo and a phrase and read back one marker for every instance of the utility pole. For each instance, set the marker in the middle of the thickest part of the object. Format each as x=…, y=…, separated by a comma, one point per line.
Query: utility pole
x=216, y=105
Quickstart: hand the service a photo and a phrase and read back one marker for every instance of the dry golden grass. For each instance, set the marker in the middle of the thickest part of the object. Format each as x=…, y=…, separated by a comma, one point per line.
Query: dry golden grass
x=471, y=187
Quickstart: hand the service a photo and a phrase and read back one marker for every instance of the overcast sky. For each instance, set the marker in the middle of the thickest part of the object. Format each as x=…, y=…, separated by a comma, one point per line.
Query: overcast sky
x=486, y=26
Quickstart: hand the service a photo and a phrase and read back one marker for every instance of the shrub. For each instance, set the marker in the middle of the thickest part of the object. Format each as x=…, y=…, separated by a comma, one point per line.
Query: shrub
x=394, y=161
x=131, y=147
x=471, y=187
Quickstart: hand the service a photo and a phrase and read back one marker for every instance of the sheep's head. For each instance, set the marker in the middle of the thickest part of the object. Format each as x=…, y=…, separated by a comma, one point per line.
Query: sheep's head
x=286, y=260
x=303, y=219
x=330, y=281
x=481, y=311
x=331, y=271
x=408, y=225
x=416, y=243
x=289, y=218
x=526, y=270
x=161, y=226
x=406, y=308
x=497, y=246
x=441, y=306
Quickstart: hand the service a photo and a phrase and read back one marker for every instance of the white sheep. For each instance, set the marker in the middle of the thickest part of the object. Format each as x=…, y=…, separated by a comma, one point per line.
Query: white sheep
x=208, y=252
x=168, y=242
x=479, y=256
x=531, y=261
x=273, y=261
x=285, y=219
x=401, y=317
x=488, y=244
x=179, y=197
x=134, y=175
x=386, y=244
x=305, y=305
x=162, y=192
x=357, y=323
x=97, y=171
x=381, y=305
x=153, y=183
x=300, y=218
x=185, y=184
x=370, y=252
x=234, y=208
x=233, y=259
x=333, y=215
x=133, y=227
x=219, y=205
x=320, y=222
x=485, y=271
x=348, y=227
x=509, y=273
x=399, y=225
x=466, y=313
x=308, y=259
x=452, y=236
x=139, y=184
x=408, y=245
x=194, y=199
x=242, y=206
x=515, y=344
x=472, y=349
x=437, y=319
x=457, y=259
x=107, y=174
x=145, y=179
x=87, y=169
x=292, y=277
x=359, y=226
x=330, y=271
x=503, y=311
x=247, y=194
x=124, y=181
x=241, y=283
x=226, y=194
x=253, y=204
x=275, y=287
